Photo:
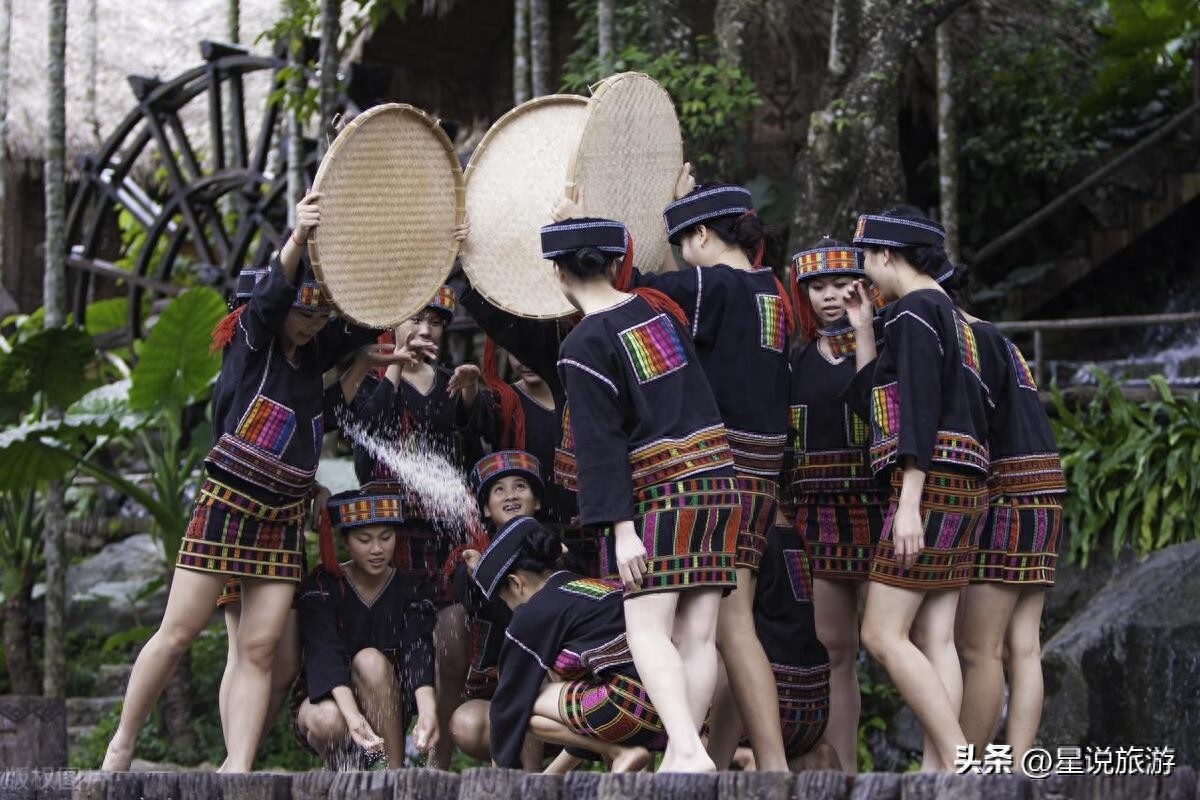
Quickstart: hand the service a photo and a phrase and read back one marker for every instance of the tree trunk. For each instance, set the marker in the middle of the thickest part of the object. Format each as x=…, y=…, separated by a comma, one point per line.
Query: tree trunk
x=331, y=11
x=520, y=51
x=233, y=17
x=851, y=164
x=5, y=39
x=606, y=33
x=947, y=139
x=92, y=37
x=539, y=46
x=18, y=641
x=667, y=31
x=54, y=299
x=730, y=20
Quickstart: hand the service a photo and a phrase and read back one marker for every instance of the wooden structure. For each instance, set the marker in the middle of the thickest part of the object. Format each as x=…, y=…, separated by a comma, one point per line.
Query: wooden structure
x=33, y=733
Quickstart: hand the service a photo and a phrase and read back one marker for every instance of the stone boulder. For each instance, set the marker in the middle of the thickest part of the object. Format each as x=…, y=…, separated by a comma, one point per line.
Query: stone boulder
x=100, y=589
x=1126, y=669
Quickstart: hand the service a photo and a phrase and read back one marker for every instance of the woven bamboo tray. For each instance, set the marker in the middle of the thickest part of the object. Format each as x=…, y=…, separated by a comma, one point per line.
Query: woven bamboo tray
x=391, y=193
x=628, y=161
x=514, y=179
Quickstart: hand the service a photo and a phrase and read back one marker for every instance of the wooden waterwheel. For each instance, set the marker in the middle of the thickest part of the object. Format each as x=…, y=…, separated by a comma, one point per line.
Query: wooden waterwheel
x=189, y=188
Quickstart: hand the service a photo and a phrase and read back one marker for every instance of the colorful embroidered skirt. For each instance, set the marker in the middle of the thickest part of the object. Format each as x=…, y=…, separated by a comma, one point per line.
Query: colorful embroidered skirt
x=803, y=705
x=615, y=710
x=760, y=499
x=233, y=534
x=1021, y=540
x=689, y=529
x=840, y=533
x=953, y=508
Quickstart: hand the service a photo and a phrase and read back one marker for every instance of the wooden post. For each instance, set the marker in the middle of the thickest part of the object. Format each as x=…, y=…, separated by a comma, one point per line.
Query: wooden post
x=877, y=786
x=314, y=785
x=33, y=732
x=487, y=783
x=425, y=784
x=581, y=785
x=1039, y=369
x=125, y=785
x=823, y=784
x=755, y=786
x=366, y=785
x=541, y=787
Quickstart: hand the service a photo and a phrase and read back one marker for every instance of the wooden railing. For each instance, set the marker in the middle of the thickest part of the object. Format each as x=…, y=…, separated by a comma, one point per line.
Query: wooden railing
x=1037, y=326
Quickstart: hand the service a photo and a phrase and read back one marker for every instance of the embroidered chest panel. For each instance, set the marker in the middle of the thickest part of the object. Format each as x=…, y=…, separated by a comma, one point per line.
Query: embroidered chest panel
x=654, y=348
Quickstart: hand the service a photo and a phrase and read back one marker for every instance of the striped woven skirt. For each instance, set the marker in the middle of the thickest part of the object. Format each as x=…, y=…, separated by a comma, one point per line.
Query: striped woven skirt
x=1021, y=540
x=689, y=529
x=759, y=499
x=953, y=508
x=803, y=705
x=234, y=534
x=840, y=532
x=615, y=710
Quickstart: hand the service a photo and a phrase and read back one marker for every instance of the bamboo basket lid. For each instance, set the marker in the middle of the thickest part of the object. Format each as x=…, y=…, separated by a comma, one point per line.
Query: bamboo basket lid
x=391, y=193
x=628, y=160
x=513, y=180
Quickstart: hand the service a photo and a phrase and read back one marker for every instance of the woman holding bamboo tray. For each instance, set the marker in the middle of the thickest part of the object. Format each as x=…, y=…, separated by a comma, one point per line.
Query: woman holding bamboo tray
x=924, y=396
x=248, y=521
x=646, y=446
x=740, y=320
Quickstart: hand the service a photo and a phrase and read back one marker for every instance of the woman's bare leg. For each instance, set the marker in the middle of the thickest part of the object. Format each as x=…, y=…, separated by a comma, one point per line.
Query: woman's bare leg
x=190, y=604
x=452, y=644
x=987, y=614
x=650, y=622
x=725, y=725
x=546, y=724
x=265, y=608
x=378, y=696
x=284, y=668
x=835, y=605
x=322, y=726
x=933, y=634
x=885, y=633
x=232, y=611
x=471, y=731
x=1026, y=690
x=750, y=675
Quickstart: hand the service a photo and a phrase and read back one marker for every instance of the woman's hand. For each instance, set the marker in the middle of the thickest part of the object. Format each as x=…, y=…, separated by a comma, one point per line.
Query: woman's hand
x=631, y=555
x=465, y=377
x=908, y=534
x=425, y=733
x=567, y=208
x=413, y=349
x=463, y=229
x=308, y=217
x=859, y=307
x=363, y=735
x=686, y=181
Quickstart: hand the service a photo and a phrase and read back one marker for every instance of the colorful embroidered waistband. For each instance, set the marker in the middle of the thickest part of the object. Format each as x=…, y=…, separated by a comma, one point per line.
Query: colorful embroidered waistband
x=949, y=448
x=757, y=453
x=215, y=493
x=259, y=468
x=673, y=459
x=832, y=472
x=1039, y=473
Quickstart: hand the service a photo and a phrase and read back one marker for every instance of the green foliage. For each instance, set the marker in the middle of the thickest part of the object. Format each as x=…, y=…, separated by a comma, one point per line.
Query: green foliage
x=174, y=365
x=47, y=368
x=879, y=702
x=714, y=101
x=1132, y=470
x=1147, y=53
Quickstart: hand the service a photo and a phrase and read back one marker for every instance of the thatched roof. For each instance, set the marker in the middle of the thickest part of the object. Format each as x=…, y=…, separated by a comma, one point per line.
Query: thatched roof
x=132, y=37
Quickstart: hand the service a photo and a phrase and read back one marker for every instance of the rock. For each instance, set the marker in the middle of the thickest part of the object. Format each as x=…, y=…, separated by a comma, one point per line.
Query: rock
x=1126, y=670
x=100, y=590
x=89, y=710
x=111, y=679
x=904, y=730
x=1075, y=586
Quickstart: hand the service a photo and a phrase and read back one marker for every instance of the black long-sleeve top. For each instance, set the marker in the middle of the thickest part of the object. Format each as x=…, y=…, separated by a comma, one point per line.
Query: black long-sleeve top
x=573, y=627
x=740, y=333
x=268, y=413
x=640, y=410
x=336, y=623
x=924, y=395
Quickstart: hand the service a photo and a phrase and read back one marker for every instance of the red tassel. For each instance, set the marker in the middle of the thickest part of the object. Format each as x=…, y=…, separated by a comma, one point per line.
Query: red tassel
x=624, y=274
x=663, y=304
x=877, y=296
x=387, y=337
x=325, y=543
x=512, y=414
x=477, y=539
x=223, y=331
x=789, y=317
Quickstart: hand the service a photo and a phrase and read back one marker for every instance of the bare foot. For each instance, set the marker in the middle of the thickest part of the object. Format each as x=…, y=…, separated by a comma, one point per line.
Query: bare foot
x=698, y=763
x=630, y=759
x=117, y=758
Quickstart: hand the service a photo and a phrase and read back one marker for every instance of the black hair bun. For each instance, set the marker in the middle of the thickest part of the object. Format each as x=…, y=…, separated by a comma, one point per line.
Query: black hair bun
x=542, y=551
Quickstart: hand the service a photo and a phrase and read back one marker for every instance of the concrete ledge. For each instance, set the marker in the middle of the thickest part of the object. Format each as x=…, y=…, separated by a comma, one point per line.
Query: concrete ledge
x=498, y=784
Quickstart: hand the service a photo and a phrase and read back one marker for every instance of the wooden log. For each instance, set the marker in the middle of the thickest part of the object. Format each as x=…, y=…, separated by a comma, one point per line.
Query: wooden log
x=1181, y=784
x=18, y=784
x=581, y=785
x=125, y=785
x=377, y=785
x=629, y=785
x=256, y=786
x=825, y=784
x=56, y=784
x=313, y=785
x=755, y=785
x=425, y=784
x=541, y=787
x=94, y=786
x=489, y=783
x=33, y=732
x=199, y=786
x=876, y=786
x=161, y=786
x=683, y=786
x=1095, y=787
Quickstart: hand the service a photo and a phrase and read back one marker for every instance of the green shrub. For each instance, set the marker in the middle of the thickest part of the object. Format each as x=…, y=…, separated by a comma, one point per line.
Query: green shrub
x=1132, y=469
